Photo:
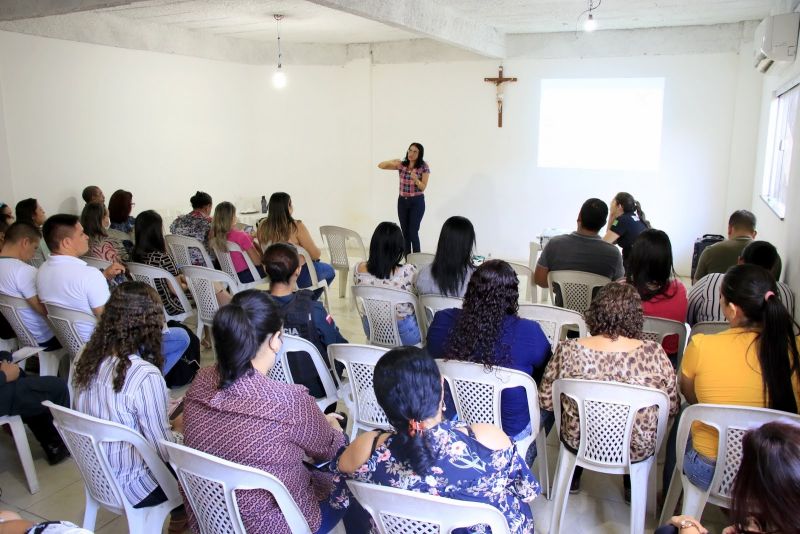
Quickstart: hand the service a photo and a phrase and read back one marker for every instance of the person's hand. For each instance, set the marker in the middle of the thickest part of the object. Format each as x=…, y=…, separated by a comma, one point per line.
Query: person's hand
x=616, y=210
x=333, y=420
x=113, y=270
x=676, y=521
x=11, y=370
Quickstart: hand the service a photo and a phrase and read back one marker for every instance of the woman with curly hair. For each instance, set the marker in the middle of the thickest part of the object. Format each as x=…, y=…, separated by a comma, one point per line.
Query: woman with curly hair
x=118, y=378
x=487, y=330
x=614, y=352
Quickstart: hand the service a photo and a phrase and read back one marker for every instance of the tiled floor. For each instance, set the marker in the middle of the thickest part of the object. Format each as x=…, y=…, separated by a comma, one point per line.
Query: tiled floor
x=598, y=509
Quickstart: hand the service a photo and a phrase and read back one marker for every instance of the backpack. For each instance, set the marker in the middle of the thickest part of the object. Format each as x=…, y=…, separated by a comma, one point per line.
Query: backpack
x=700, y=244
x=184, y=370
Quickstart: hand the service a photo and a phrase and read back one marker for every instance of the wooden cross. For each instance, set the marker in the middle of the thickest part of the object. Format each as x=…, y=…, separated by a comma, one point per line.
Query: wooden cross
x=499, y=81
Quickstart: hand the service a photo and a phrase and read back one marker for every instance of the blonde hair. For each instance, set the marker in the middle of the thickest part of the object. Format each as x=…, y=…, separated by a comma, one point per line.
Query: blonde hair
x=222, y=224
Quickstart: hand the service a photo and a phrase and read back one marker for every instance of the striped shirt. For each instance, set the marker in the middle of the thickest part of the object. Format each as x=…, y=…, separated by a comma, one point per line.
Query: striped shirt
x=141, y=404
x=704, y=304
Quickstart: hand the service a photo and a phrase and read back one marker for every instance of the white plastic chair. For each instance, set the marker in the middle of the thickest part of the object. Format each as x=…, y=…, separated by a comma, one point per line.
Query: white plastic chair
x=316, y=283
x=63, y=322
x=553, y=319
x=523, y=271
x=358, y=393
x=420, y=258
x=149, y=274
x=656, y=329
x=534, y=249
x=226, y=263
x=731, y=423
x=379, y=306
x=709, y=327
x=577, y=288
x=335, y=238
x=281, y=372
x=97, y=263
x=180, y=247
x=210, y=483
x=201, y=285
x=607, y=412
x=477, y=391
x=85, y=437
x=48, y=360
x=398, y=511
x=23, y=449
x=431, y=304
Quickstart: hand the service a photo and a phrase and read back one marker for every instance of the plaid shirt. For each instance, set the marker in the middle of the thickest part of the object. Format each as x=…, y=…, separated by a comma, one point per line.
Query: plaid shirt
x=407, y=186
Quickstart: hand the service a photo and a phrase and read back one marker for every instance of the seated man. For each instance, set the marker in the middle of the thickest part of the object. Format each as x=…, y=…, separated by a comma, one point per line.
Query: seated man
x=67, y=281
x=18, y=279
x=23, y=395
x=304, y=317
x=704, y=303
x=721, y=256
x=582, y=250
x=92, y=193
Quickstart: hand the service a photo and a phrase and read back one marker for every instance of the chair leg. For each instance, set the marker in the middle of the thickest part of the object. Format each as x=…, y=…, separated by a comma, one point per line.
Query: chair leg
x=49, y=362
x=671, y=497
x=24, y=451
x=640, y=473
x=564, y=471
x=342, y=282
x=90, y=513
x=694, y=499
x=541, y=455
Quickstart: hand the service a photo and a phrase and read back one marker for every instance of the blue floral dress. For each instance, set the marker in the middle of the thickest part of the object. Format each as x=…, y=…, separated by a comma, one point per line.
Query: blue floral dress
x=466, y=470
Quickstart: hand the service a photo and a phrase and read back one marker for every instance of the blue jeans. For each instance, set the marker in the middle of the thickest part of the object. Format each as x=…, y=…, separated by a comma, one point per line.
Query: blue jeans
x=324, y=272
x=546, y=420
x=407, y=327
x=173, y=344
x=410, y=211
x=697, y=468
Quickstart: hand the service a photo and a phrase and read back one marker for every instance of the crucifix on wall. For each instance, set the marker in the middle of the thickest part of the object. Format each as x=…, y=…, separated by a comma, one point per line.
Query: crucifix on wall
x=499, y=81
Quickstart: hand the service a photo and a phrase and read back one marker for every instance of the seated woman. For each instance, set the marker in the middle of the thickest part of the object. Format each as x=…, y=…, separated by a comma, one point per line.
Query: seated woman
x=234, y=411
x=754, y=363
x=120, y=206
x=625, y=222
x=223, y=230
x=280, y=227
x=488, y=331
x=95, y=222
x=30, y=211
x=383, y=269
x=651, y=272
x=452, y=266
x=614, y=352
x=118, y=378
x=196, y=224
x=476, y=463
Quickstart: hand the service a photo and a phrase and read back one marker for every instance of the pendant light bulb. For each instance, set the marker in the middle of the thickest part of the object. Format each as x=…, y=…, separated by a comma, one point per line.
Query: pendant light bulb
x=590, y=24
x=279, y=79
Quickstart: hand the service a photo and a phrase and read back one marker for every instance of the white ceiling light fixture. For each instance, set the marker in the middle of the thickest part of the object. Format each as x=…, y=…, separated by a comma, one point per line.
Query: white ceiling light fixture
x=279, y=76
x=590, y=23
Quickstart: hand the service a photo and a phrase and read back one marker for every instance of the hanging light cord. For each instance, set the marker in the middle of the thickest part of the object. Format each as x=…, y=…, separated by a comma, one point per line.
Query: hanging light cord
x=592, y=7
x=278, y=25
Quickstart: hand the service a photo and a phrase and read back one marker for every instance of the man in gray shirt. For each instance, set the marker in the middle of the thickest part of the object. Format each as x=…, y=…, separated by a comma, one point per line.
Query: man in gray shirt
x=582, y=250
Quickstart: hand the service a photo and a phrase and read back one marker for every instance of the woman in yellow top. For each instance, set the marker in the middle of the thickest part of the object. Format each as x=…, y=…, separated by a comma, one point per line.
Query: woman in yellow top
x=754, y=363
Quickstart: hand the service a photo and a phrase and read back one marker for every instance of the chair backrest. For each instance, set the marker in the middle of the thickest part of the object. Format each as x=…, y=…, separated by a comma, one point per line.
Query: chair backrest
x=656, y=329
x=731, y=423
x=576, y=287
x=607, y=411
x=534, y=248
x=149, y=274
x=523, y=271
x=335, y=237
x=201, y=285
x=85, y=435
x=553, y=319
x=97, y=263
x=420, y=258
x=312, y=272
x=63, y=321
x=379, y=305
x=359, y=361
x=9, y=307
x=431, y=304
x=476, y=391
x=709, y=327
x=399, y=511
x=119, y=235
x=209, y=484
x=226, y=263
x=180, y=247
x=282, y=373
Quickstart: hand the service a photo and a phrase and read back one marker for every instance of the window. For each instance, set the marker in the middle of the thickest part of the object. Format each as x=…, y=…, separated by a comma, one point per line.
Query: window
x=780, y=142
x=601, y=123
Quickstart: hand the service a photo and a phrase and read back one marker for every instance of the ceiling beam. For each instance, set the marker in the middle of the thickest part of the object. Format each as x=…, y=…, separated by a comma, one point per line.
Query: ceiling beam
x=29, y=9
x=429, y=20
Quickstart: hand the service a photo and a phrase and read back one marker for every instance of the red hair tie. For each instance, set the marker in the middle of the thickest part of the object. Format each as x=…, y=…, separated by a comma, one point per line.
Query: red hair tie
x=767, y=295
x=414, y=427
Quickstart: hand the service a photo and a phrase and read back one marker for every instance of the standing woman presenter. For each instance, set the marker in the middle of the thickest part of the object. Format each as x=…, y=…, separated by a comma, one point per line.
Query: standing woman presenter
x=414, y=174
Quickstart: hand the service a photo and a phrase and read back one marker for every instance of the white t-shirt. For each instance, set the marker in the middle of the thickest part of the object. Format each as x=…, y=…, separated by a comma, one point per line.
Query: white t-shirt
x=67, y=281
x=18, y=279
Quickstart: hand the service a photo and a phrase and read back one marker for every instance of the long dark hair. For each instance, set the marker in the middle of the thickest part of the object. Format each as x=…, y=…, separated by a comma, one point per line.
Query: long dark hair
x=131, y=323
x=453, y=260
x=385, y=250
x=491, y=295
x=239, y=329
x=630, y=205
x=767, y=486
x=420, y=159
x=26, y=209
x=279, y=224
x=149, y=232
x=650, y=267
x=120, y=205
x=408, y=386
x=754, y=290
x=92, y=220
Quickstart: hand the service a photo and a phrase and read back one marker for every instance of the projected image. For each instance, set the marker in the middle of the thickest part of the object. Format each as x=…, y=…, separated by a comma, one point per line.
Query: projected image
x=601, y=123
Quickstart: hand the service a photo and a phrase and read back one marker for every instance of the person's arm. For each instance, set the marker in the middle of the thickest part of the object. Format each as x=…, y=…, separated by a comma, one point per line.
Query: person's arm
x=702, y=265
x=611, y=237
x=390, y=165
x=422, y=182
x=250, y=248
x=318, y=436
x=687, y=524
x=357, y=453
x=326, y=327
x=98, y=311
x=551, y=373
x=37, y=305
x=540, y=276
x=151, y=410
x=113, y=270
x=688, y=371
x=9, y=372
x=97, y=292
x=439, y=332
x=307, y=242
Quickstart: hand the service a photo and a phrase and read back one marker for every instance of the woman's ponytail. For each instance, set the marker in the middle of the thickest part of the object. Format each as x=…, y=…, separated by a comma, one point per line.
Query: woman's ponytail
x=778, y=354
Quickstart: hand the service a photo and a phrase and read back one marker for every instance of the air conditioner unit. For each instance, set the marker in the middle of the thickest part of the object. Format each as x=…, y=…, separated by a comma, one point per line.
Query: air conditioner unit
x=776, y=40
